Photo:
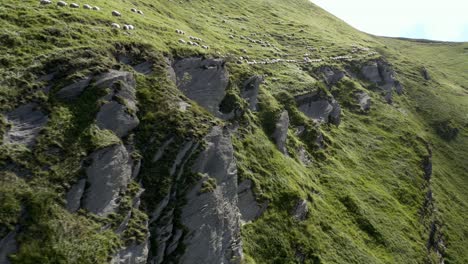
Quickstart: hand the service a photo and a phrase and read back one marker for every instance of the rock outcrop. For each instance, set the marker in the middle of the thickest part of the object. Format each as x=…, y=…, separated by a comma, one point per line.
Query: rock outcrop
x=119, y=113
x=74, y=195
x=364, y=101
x=425, y=74
x=8, y=246
x=203, y=81
x=381, y=73
x=133, y=254
x=74, y=90
x=250, y=91
x=249, y=208
x=107, y=176
x=26, y=122
x=212, y=217
x=331, y=76
x=320, y=108
x=300, y=210
x=280, y=135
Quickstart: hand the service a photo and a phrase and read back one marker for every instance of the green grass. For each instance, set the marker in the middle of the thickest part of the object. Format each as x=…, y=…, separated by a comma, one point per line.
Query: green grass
x=365, y=189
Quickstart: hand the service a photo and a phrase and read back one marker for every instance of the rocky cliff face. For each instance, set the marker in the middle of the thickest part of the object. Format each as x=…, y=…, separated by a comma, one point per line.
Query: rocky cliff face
x=201, y=134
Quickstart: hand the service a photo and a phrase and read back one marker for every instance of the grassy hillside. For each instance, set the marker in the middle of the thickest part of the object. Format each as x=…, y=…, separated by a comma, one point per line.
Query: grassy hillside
x=365, y=190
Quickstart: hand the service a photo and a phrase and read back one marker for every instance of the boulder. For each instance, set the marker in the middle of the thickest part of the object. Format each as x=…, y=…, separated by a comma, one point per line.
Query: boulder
x=119, y=113
x=107, y=176
x=250, y=91
x=371, y=72
x=74, y=195
x=203, y=81
x=249, y=208
x=300, y=210
x=330, y=75
x=26, y=122
x=73, y=90
x=382, y=74
x=364, y=100
x=212, y=218
x=425, y=74
x=281, y=132
x=132, y=254
x=144, y=68
x=115, y=117
x=8, y=246
x=304, y=156
x=320, y=108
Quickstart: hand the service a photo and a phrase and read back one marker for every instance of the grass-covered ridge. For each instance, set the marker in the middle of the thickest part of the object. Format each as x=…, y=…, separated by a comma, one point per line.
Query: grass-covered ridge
x=365, y=189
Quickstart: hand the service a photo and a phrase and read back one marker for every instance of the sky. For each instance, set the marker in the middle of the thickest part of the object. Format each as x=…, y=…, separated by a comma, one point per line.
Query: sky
x=445, y=20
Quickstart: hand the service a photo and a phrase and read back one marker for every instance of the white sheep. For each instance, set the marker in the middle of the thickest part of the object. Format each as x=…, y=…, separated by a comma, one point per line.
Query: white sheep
x=86, y=6
x=182, y=41
x=45, y=2
x=140, y=12
x=190, y=43
x=133, y=10
x=116, y=13
x=128, y=27
x=74, y=5
x=61, y=3
x=96, y=8
x=115, y=25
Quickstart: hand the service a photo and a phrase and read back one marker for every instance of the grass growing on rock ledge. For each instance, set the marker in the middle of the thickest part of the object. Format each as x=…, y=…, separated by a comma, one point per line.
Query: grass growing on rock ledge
x=365, y=189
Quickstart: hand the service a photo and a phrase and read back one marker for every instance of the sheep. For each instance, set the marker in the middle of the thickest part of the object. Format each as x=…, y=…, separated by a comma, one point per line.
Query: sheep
x=140, y=12
x=205, y=47
x=45, y=2
x=178, y=31
x=74, y=5
x=116, y=13
x=115, y=25
x=125, y=27
x=96, y=8
x=128, y=27
x=231, y=36
x=61, y=3
x=86, y=6
x=190, y=43
x=133, y=10
x=182, y=41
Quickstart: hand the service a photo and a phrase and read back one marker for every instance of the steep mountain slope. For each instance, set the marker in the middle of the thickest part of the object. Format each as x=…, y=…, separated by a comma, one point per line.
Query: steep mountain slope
x=226, y=132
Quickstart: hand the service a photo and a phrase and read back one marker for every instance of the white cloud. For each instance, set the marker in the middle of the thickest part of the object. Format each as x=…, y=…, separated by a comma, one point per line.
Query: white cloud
x=432, y=19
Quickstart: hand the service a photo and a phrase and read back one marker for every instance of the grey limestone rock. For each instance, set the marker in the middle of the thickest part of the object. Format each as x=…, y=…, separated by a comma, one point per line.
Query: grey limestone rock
x=8, y=246
x=73, y=90
x=249, y=208
x=330, y=75
x=320, y=108
x=115, y=117
x=144, y=68
x=212, y=218
x=107, y=176
x=425, y=74
x=119, y=115
x=74, y=195
x=300, y=210
x=26, y=122
x=281, y=132
x=132, y=254
x=382, y=74
x=364, y=101
x=203, y=81
x=250, y=91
